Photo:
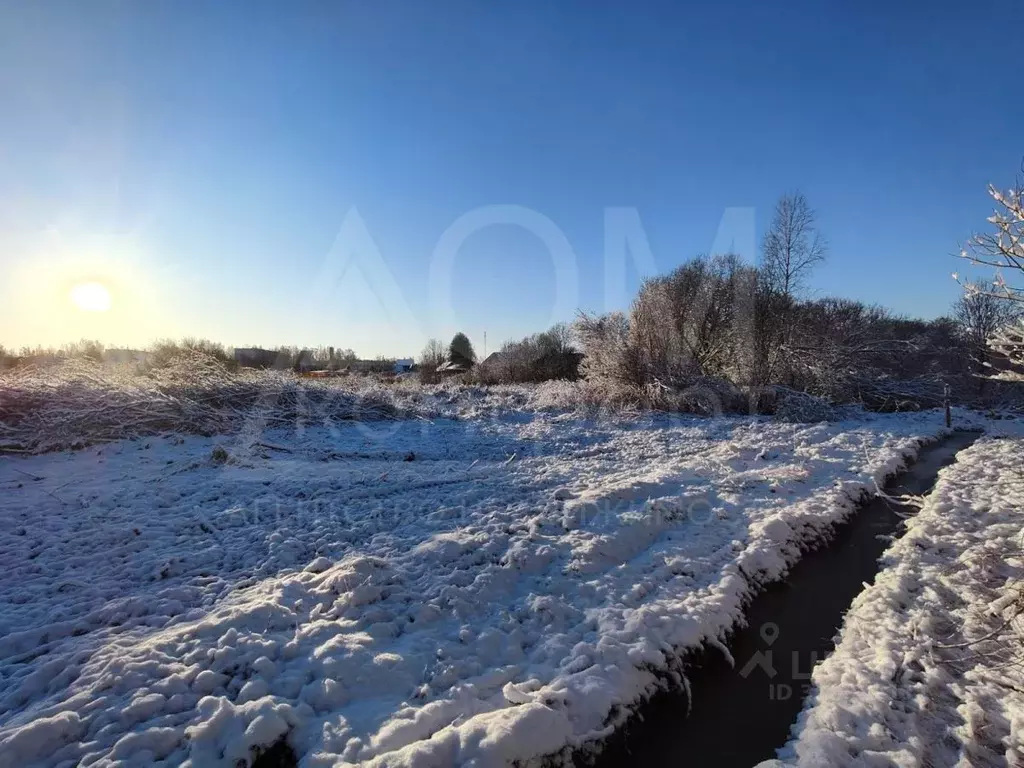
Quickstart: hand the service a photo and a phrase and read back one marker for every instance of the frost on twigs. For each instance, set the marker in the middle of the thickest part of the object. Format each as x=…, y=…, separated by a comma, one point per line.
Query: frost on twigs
x=1003, y=250
x=1009, y=341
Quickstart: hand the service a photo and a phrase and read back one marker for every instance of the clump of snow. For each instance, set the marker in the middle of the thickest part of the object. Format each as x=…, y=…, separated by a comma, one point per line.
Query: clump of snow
x=509, y=594
x=929, y=669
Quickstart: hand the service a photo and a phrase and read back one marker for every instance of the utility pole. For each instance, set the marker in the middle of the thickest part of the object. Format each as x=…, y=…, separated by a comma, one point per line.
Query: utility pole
x=485, y=345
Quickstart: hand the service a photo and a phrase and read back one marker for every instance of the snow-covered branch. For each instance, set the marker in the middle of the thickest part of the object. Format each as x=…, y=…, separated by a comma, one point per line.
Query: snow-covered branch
x=1009, y=341
x=1002, y=249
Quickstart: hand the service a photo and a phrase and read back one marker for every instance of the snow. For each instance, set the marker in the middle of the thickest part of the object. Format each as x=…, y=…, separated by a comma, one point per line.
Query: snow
x=506, y=594
x=928, y=667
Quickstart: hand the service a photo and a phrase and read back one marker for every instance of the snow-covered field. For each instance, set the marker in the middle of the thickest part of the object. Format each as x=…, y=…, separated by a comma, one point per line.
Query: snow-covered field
x=403, y=593
x=930, y=666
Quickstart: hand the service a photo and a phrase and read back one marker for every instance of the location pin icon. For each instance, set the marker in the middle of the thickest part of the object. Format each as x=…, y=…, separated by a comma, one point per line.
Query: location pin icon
x=769, y=632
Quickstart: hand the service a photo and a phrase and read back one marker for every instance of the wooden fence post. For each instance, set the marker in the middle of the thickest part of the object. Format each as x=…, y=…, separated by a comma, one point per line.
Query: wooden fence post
x=945, y=402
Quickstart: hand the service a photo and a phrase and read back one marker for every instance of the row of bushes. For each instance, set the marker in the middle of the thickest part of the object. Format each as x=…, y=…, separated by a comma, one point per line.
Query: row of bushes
x=159, y=355
x=717, y=318
x=166, y=351
x=541, y=357
x=716, y=334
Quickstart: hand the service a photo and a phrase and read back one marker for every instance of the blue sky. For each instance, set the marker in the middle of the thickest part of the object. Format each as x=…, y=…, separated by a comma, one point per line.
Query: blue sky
x=199, y=159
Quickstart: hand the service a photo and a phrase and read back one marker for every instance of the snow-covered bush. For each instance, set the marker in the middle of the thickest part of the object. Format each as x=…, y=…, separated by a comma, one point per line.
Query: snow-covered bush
x=168, y=352
x=791, y=405
x=595, y=397
x=716, y=318
x=848, y=352
x=693, y=321
x=707, y=395
x=608, y=354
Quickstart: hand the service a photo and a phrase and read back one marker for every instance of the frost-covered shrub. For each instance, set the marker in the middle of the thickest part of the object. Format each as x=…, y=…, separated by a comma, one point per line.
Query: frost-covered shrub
x=710, y=395
x=608, y=353
x=78, y=402
x=594, y=397
x=1009, y=342
x=695, y=321
x=704, y=395
x=167, y=352
x=695, y=336
x=794, y=406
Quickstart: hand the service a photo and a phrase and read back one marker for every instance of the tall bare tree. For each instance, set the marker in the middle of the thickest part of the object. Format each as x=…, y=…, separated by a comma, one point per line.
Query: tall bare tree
x=984, y=318
x=433, y=355
x=981, y=314
x=792, y=245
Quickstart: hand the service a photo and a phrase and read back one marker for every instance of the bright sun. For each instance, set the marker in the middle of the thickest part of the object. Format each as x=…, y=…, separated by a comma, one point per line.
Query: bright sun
x=91, y=297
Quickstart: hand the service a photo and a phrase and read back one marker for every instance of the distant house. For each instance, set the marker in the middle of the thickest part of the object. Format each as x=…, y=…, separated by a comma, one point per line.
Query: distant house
x=404, y=365
x=454, y=367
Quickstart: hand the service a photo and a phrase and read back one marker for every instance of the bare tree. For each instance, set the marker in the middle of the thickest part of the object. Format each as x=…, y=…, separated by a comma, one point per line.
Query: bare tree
x=792, y=245
x=981, y=314
x=559, y=338
x=433, y=355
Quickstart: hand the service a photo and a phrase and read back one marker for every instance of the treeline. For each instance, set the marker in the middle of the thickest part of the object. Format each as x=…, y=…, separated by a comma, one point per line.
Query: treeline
x=719, y=334
x=166, y=351
x=84, y=349
x=715, y=329
x=539, y=357
x=157, y=355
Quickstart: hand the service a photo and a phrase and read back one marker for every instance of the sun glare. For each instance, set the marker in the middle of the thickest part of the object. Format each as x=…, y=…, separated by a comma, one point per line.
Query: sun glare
x=91, y=297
